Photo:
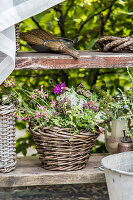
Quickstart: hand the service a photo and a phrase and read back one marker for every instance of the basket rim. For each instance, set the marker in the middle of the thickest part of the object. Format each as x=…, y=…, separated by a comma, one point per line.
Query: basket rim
x=66, y=132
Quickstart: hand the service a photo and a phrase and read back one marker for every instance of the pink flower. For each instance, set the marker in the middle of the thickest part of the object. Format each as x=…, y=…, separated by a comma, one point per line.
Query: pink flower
x=41, y=107
x=41, y=88
x=22, y=111
x=33, y=96
x=39, y=93
x=37, y=114
x=9, y=83
x=101, y=130
x=46, y=118
x=53, y=104
x=44, y=96
x=19, y=118
x=90, y=103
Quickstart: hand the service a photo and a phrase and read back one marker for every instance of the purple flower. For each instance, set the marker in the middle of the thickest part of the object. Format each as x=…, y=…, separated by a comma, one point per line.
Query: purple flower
x=125, y=106
x=85, y=105
x=87, y=93
x=59, y=88
x=63, y=86
x=64, y=104
x=95, y=108
x=55, y=113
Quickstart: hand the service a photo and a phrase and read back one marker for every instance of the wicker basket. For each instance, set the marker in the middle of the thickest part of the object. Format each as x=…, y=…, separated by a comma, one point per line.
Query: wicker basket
x=7, y=139
x=59, y=150
x=17, y=36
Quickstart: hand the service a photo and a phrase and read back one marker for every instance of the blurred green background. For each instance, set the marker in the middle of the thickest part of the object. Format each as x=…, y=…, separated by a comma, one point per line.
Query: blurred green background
x=88, y=20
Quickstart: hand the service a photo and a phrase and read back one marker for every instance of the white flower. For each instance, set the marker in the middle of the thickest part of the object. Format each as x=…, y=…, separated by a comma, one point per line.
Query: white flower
x=100, y=116
x=81, y=102
x=72, y=96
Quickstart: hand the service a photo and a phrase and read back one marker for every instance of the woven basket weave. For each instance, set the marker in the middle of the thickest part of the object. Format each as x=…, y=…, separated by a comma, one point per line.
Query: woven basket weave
x=7, y=139
x=17, y=36
x=59, y=150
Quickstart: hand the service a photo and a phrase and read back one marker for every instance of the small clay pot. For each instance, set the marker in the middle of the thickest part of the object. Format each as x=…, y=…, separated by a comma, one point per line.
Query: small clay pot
x=125, y=145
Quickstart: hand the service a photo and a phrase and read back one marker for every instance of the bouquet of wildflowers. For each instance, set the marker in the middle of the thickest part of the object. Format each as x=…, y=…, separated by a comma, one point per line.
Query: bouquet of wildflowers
x=65, y=107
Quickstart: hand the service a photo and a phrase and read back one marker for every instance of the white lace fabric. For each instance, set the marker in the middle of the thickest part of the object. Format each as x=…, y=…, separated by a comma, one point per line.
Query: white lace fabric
x=12, y=12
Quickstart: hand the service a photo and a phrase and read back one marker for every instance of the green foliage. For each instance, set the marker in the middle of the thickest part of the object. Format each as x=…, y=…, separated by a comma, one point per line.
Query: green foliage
x=99, y=147
x=22, y=144
x=87, y=19
x=82, y=18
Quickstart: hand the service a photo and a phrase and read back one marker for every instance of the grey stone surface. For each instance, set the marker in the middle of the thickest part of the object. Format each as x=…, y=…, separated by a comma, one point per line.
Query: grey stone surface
x=95, y=191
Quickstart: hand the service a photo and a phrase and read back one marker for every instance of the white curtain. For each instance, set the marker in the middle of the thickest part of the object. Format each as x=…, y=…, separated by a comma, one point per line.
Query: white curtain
x=12, y=12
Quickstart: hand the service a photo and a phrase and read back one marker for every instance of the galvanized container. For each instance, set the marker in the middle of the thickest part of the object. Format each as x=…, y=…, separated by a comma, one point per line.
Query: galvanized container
x=118, y=170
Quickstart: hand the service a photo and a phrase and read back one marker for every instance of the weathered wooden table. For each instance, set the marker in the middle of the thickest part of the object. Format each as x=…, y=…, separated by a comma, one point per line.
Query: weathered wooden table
x=29, y=181
x=88, y=59
x=29, y=172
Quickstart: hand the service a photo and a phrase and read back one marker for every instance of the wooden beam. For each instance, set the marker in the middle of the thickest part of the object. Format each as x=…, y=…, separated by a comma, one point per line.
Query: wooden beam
x=88, y=59
x=29, y=172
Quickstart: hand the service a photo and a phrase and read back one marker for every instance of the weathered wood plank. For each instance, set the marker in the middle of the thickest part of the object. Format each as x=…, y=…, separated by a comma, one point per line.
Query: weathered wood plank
x=29, y=173
x=88, y=59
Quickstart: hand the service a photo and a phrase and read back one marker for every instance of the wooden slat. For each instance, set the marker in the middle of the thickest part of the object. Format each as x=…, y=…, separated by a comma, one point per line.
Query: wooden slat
x=88, y=59
x=30, y=173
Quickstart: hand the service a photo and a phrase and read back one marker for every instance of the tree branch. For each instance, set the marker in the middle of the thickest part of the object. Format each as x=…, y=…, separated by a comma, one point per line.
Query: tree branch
x=102, y=24
x=61, y=20
x=87, y=20
x=95, y=75
x=72, y=3
x=33, y=19
x=107, y=17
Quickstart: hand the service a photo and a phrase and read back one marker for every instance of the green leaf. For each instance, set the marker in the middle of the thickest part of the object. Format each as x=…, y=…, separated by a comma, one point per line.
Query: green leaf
x=92, y=43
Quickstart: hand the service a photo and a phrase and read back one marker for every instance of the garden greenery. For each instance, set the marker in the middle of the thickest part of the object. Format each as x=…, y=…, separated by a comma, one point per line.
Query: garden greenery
x=79, y=109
